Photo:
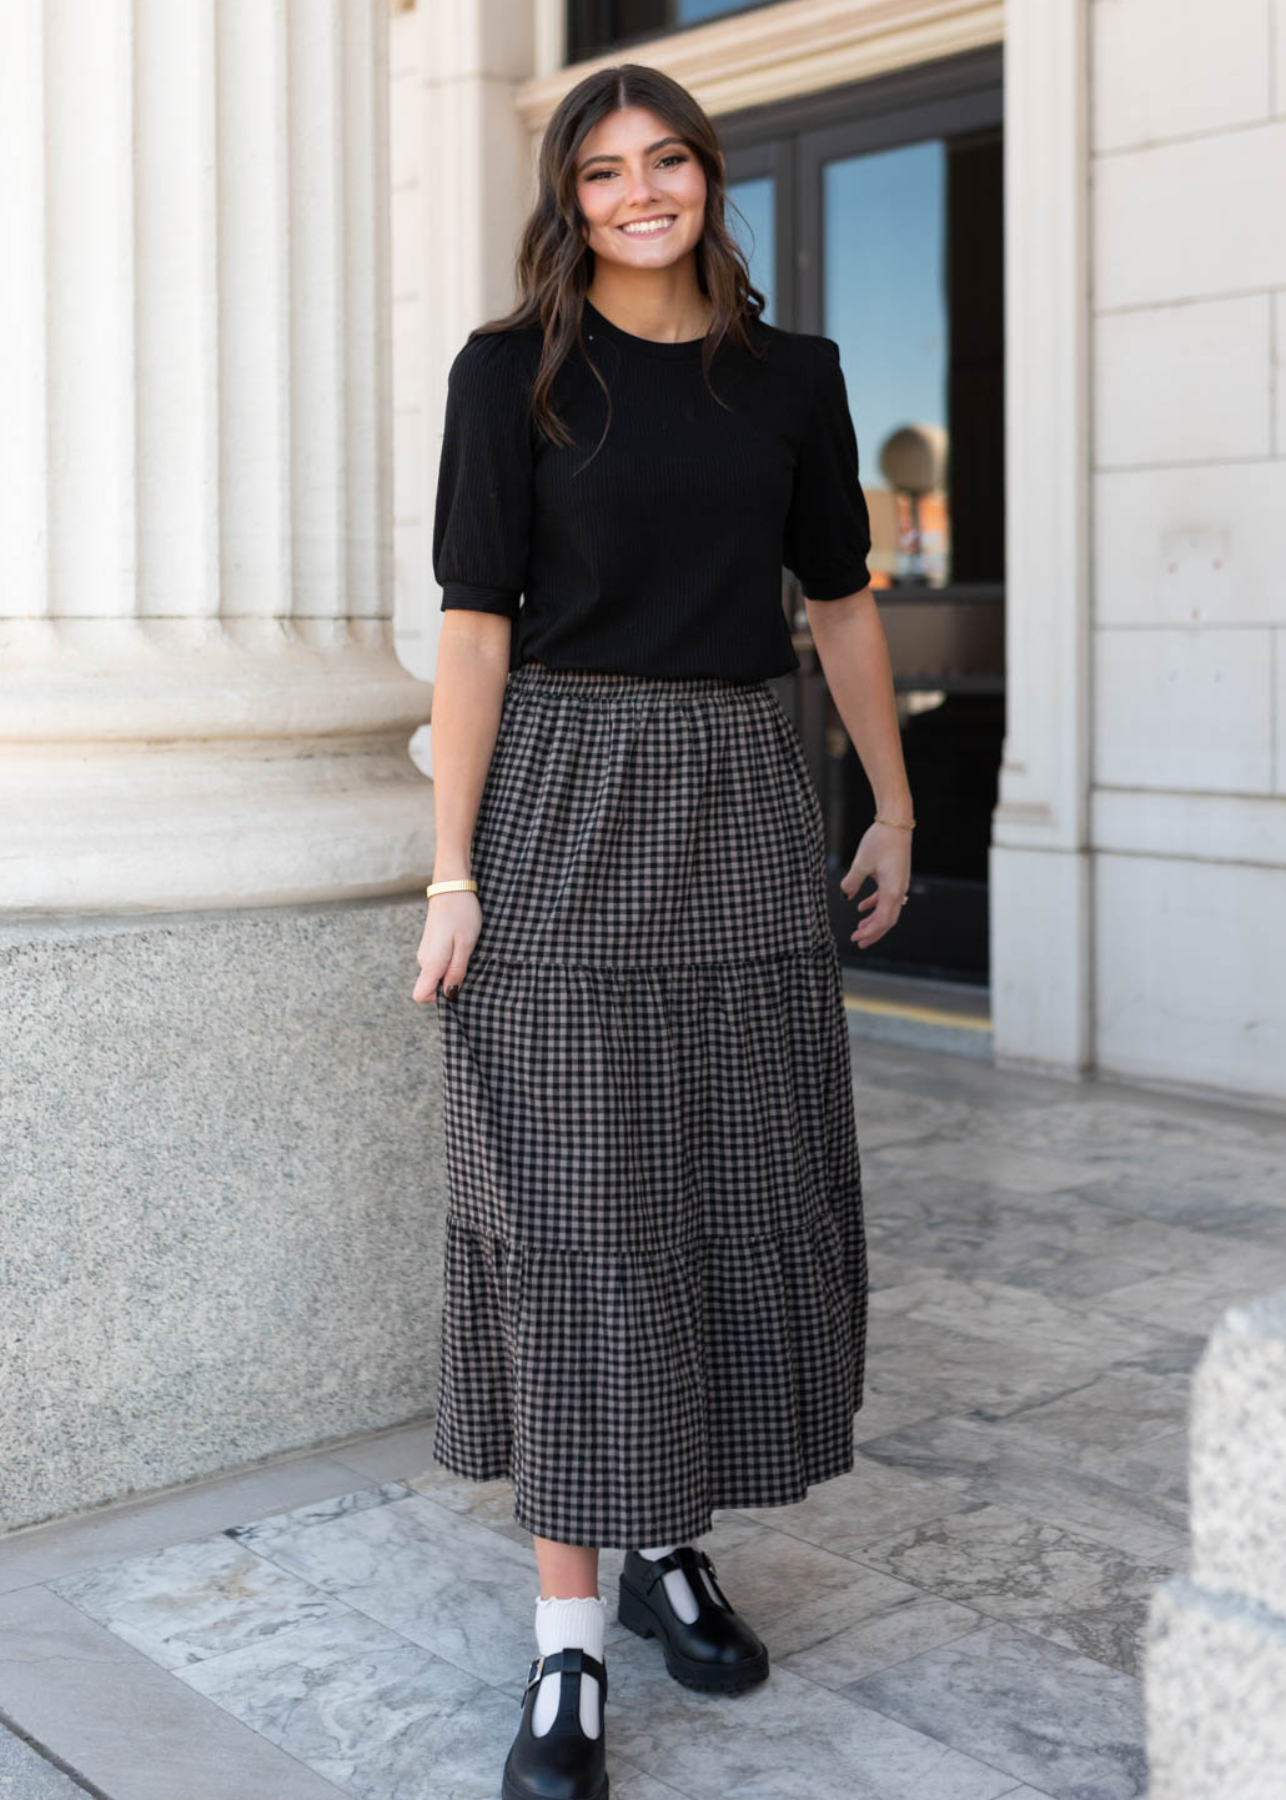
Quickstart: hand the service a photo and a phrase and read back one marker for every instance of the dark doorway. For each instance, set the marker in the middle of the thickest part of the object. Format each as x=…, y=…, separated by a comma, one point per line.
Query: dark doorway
x=874, y=215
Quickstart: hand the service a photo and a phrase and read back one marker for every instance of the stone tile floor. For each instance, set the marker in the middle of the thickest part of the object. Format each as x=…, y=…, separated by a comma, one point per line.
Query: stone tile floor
x=960, y=1618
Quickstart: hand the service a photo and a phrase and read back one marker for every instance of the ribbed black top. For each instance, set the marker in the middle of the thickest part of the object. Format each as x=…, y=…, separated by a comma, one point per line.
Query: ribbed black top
x=663, y=554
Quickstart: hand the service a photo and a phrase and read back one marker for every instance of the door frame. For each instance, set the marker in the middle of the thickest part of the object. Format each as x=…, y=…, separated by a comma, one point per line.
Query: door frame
x=950, y=94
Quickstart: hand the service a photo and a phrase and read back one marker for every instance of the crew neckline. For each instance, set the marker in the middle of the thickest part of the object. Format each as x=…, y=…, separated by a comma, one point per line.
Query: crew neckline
x=679, y=351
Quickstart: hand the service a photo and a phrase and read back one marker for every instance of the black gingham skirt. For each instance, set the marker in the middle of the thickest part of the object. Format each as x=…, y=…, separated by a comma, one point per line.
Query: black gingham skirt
x=655, y=1284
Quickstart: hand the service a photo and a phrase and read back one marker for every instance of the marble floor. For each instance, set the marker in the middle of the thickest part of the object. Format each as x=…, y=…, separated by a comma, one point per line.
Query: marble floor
x=959, y=1618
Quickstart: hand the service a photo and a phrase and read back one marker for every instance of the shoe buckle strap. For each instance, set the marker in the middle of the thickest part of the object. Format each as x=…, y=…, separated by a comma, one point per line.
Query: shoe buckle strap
x=708, y=1564
x=680, y=1558
x=574, y=1660
x=689, y=1558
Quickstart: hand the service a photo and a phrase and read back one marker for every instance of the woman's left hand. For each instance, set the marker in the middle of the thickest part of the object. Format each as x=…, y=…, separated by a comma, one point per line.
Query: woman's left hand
x=885, y=854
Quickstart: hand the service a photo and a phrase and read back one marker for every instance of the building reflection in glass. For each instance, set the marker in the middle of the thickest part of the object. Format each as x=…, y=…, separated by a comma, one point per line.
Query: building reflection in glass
x=750, y=218
x=886, y=305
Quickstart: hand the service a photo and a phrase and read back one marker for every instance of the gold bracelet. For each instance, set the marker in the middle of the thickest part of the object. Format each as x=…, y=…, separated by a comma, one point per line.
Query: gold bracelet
x=880, y=821
x=465, y=885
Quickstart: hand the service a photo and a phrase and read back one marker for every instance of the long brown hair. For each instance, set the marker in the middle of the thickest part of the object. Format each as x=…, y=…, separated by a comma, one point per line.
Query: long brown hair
x=554, y=263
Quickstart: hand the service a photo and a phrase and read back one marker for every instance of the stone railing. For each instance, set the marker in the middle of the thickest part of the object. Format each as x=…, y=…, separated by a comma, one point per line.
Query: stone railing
x=1215, y=1664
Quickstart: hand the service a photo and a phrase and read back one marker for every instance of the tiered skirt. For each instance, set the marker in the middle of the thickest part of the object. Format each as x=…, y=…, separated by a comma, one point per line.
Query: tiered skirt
x=655, y=1285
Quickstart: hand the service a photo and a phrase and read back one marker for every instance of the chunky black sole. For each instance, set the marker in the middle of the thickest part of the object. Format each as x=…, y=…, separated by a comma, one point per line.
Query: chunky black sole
x=634, y=1612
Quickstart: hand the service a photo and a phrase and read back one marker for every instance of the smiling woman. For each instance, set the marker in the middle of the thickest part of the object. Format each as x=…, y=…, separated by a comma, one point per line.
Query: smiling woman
x=655, y=1278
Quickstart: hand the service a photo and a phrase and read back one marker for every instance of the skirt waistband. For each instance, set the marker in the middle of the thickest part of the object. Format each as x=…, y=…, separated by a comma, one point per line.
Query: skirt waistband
x=614, y=684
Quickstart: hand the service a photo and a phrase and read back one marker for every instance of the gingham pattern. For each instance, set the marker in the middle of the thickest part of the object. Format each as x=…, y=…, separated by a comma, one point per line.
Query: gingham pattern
x=655, y=1280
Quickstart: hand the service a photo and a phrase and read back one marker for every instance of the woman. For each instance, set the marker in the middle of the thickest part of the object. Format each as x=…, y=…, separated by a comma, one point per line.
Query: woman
x=655, y=1271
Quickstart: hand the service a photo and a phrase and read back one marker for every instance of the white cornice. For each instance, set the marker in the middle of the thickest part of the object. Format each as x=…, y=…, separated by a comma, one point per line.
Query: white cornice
x=797, y=47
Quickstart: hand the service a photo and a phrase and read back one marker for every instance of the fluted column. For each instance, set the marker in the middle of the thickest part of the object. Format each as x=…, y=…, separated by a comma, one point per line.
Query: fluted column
x=200, y=704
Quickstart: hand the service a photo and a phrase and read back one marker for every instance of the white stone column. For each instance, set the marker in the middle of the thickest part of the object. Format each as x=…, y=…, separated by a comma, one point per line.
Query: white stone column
x=200, y=705
x=462, y=186
x=1040, y=862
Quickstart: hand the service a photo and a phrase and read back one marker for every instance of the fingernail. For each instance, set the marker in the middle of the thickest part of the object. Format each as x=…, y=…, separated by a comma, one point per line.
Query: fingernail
x=452, y=991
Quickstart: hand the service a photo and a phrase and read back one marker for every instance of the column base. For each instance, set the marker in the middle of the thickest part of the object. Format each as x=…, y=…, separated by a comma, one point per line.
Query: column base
x=187, y=763
x=224, y=1194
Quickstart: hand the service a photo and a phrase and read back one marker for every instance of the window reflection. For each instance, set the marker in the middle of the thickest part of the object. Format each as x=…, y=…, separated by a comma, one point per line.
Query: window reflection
x=690, y=12
x=749, y=217
x=885, y=303
x=594, y=25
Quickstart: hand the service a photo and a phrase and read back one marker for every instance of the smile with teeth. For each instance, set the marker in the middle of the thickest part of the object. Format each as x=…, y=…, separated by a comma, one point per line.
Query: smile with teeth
x=648, y=227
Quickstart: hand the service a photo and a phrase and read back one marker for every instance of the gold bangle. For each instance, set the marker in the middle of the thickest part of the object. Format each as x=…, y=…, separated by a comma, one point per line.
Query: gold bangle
x=465, y=885
x=880, y=821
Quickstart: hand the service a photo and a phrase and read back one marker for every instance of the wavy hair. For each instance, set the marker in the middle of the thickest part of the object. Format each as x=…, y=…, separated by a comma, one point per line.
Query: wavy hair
x=554, y=264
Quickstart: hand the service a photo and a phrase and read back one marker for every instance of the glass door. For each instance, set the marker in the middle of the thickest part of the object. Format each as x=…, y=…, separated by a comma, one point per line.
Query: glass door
x=879, y=215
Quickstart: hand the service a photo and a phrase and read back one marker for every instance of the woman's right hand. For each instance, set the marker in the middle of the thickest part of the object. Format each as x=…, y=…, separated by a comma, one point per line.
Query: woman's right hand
x=451, y=930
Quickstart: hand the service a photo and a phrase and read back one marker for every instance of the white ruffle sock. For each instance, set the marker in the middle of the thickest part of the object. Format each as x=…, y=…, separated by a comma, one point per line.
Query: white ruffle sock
x=560, y=1625
x=677, y=1586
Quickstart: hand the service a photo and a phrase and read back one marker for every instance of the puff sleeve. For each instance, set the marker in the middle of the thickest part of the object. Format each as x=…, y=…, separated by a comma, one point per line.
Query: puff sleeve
x=482, y=515
x=827, y=534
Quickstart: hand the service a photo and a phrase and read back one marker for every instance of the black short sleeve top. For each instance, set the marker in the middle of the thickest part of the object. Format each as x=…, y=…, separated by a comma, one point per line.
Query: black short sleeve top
x=661, y=554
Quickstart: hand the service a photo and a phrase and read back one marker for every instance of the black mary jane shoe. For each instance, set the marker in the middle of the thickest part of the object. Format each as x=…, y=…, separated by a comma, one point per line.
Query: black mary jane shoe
x=718, y=1652
x=564, y=1763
